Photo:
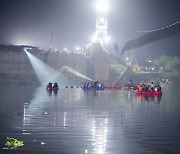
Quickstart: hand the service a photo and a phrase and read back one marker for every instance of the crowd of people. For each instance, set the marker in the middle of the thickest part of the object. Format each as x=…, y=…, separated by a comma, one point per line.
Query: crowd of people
x=94, y=84
x=148, y=87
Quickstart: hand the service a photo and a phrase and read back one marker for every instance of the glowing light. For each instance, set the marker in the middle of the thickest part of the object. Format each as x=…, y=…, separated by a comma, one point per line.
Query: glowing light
x=72, y=71
x=102, y=6
x=77, y=48
x=94, y=39
x=107, y=38
x=65, y=49
x=43, y=71
x=101, y=35
x=150, y=61
x=86, y=151
x=99, y=134
x=88, y=45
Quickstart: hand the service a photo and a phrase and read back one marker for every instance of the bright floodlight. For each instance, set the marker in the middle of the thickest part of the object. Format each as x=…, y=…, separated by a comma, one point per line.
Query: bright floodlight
x=102, y=6
x=94, y=38
x=107, y=39
x=77, y=48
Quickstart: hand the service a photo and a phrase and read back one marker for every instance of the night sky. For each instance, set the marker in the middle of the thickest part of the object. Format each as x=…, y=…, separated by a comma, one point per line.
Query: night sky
x=72, y=22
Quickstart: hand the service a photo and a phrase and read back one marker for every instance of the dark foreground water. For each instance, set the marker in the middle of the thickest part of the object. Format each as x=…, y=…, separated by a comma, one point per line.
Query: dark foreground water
x=73, y=121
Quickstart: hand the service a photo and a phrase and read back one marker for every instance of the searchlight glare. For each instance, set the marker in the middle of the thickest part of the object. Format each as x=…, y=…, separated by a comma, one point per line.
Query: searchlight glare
x=102, y=6
x=94, y=38
x=43, y=71
x=101, y=35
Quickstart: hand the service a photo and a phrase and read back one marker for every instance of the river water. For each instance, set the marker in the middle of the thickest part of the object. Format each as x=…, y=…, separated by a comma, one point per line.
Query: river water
x=73, y=121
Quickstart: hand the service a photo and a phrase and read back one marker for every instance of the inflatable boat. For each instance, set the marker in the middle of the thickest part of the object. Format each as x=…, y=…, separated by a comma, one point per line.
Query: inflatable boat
x=52, y=89
x=150, y=93
x=93, y=88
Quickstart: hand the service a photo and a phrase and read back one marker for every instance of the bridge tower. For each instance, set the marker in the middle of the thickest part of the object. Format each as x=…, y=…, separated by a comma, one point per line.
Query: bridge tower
x=100, y=56
x=101, y=35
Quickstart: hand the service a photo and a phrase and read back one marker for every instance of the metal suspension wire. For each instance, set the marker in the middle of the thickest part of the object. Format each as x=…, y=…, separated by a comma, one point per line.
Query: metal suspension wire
x=132, y=55
x=104, y=48
x=120, y=75
x=159, y=28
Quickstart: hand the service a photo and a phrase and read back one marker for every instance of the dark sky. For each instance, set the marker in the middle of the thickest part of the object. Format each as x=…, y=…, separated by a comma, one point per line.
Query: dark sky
x=72, y=22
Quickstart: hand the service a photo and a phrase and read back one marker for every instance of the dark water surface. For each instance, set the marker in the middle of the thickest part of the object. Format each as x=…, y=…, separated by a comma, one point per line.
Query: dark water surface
x=73, y=121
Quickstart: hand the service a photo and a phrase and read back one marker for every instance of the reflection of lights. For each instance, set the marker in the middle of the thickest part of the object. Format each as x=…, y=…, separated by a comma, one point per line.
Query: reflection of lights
x=102, y=6
x=65, y=49
x=127, y=58
x=31, y=109
x=64, y=124
x=99, y=133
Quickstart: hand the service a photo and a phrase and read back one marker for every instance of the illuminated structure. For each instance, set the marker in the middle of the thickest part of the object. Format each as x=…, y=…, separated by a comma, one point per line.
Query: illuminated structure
x=101, y=35
x=97, y=49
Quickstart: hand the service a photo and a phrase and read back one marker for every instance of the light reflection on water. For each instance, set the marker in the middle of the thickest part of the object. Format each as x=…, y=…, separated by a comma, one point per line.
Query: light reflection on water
x=77, y=121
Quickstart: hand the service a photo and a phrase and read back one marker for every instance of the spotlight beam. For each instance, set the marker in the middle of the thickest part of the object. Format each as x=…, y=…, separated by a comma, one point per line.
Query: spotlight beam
x=44, y=72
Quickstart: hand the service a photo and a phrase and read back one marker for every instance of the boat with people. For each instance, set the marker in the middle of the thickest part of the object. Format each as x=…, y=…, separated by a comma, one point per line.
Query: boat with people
x=93, y=88
x=129, y=85
x=113, y=87
x=52, y=89
x=49, y=87
x=148, y=89
x=149, y=93
x=94, y=85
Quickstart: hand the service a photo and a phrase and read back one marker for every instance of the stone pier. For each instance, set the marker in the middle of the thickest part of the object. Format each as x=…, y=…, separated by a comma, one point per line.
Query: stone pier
x=99, y=63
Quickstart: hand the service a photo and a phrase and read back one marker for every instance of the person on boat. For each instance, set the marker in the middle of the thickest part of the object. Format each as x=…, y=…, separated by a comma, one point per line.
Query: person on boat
x=102, y=85
x=92, y=84
x=152, y=86
x=158, y=88
x=137, y=88
x=155, y=88
x=140, y=88
x=55, y=85
x=96, y=84
x=85, y=85
x=146, y=87
x=49, y=85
